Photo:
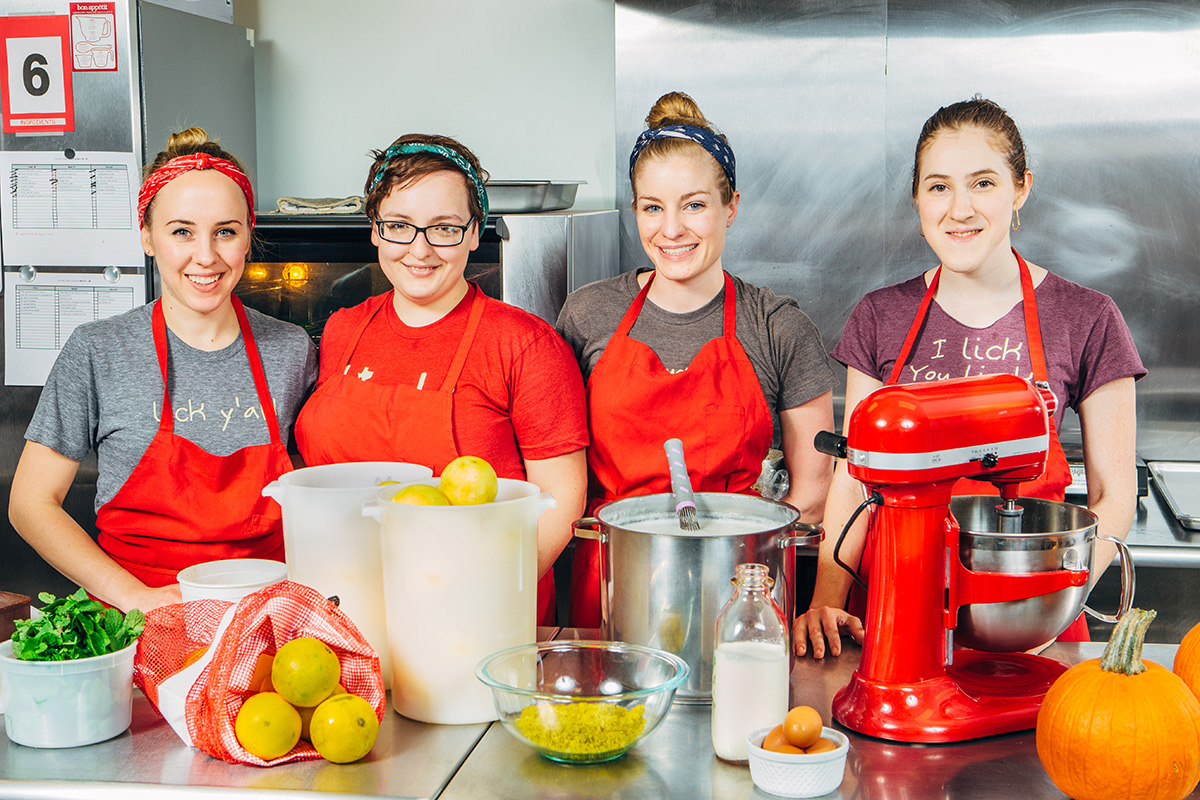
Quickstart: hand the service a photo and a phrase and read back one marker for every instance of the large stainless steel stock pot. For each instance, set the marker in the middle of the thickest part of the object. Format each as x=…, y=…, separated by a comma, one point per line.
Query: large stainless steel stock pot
x=1053, y=536
x=663, y=587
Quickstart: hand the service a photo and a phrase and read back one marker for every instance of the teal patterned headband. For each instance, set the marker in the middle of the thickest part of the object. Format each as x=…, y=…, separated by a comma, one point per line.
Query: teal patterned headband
x=446, y=153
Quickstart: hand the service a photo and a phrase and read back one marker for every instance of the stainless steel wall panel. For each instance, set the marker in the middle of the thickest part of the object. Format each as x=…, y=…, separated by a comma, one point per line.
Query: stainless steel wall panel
x=799, y=90
x=823, y=103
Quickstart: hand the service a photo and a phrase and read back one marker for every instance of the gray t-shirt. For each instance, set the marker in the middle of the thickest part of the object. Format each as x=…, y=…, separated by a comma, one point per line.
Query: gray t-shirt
x=782, y=343
x=104, y=392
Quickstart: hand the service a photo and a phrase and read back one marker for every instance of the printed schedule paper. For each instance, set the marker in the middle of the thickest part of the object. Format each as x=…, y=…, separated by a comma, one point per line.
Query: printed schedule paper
x=78, y=210
x=43, y=306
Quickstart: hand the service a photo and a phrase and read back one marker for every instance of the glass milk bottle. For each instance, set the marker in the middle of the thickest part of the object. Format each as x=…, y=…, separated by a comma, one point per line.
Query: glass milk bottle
x=750, y=664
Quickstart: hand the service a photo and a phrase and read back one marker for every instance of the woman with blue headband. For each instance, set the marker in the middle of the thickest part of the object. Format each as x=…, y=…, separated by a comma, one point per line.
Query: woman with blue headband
x=687, y=350
x=434, y=369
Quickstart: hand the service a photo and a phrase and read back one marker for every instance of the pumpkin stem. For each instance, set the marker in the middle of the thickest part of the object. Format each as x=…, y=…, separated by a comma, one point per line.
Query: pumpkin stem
x=1123, y=654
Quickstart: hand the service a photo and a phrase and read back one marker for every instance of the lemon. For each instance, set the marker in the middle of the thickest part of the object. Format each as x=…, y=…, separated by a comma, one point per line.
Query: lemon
x=468, y=480
x=305, y=671
x=344, y=728
x=267, y=726
x=386, y=483
x=306, y=714
x=421, y=495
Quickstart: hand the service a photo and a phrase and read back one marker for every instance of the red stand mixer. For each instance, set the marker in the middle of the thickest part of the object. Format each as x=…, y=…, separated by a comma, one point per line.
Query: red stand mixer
x=909, y=444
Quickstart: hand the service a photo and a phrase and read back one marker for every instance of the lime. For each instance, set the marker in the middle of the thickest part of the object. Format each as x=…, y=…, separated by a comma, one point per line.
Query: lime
x=421, y=495
x=267, y=726
x=305, y=671
x=468, y=480
x=344, y=728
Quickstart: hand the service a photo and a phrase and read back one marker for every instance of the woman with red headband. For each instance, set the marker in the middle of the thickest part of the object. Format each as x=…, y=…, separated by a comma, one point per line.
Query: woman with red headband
x=435, y=369
x=188, y=402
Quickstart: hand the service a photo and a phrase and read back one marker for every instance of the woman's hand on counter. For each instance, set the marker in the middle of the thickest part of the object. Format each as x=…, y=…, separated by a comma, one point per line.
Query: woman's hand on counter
x=154, y=598
x=826, y=622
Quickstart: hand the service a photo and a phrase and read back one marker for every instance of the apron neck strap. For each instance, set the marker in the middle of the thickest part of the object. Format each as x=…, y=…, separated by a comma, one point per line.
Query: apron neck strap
x=729, y=318
x=1033, y=333
x=464, y=344
x=159, y=327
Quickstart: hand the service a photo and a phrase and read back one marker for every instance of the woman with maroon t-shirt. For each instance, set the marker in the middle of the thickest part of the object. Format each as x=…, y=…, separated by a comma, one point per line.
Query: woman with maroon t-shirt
x=434, y=369
x=984, y=309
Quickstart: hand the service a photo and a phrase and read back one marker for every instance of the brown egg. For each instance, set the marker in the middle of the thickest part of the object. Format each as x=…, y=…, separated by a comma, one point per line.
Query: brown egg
x=776, y=742
x=822, y=745
x=802, y=726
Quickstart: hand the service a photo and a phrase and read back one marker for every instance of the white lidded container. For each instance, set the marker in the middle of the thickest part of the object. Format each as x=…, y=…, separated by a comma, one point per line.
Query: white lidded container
x=66, y=703
x=460, y=583
x=229, y=579
x=331, y=547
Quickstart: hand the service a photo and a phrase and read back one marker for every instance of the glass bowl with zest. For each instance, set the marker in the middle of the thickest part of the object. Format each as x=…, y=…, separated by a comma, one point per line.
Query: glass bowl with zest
x=582, y=702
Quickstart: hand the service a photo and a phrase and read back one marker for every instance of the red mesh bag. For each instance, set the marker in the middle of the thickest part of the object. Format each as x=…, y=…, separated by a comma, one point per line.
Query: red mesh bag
x=262, y=623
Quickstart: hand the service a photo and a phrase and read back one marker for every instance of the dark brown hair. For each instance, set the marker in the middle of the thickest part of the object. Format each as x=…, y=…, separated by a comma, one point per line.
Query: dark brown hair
x=402, y=170
x=975, y=113
x=676, y=108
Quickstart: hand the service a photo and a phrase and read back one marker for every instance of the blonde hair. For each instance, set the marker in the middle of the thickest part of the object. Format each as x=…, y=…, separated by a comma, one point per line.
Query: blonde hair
x=187, y=142
x=677, y=108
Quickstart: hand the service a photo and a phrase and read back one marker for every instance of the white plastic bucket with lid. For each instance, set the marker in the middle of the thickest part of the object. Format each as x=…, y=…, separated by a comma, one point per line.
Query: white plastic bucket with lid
x=229, y=579
x=66, y=703
x=330, y=545
x=460, y=583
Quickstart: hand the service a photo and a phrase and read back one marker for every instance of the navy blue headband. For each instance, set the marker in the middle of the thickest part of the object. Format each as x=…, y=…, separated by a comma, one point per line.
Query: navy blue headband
x=716, y=146
x=450, y=155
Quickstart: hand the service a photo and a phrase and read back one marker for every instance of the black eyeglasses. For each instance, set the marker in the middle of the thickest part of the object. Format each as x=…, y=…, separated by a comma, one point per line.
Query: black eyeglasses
x=441, y=235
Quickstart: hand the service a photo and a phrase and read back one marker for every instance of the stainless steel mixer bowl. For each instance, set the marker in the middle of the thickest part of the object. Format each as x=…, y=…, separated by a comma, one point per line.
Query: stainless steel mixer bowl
x=1053, y=536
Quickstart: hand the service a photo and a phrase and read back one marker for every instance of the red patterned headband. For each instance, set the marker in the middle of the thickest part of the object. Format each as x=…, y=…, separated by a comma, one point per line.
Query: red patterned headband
x=181, y=164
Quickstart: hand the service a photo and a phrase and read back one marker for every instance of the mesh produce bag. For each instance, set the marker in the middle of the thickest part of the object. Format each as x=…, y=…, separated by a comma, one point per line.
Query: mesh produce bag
x=208, y=694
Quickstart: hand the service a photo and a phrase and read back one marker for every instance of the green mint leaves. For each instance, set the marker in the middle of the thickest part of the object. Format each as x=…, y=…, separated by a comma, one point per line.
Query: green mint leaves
x=75, y=627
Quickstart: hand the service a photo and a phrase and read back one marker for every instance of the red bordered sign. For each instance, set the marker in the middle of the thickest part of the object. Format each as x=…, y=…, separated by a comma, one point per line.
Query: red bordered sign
x=35, y=75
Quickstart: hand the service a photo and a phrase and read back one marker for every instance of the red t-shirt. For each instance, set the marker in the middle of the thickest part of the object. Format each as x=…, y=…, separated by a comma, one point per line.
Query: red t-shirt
x=520, y=395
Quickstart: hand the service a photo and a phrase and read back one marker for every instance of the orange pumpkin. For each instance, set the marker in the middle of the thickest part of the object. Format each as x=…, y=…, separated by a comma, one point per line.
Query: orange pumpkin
x=1187, y=660
x=1114, y=728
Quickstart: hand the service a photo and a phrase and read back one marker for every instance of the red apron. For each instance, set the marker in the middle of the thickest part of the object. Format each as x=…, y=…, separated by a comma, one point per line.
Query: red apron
x=1053, y=482
x=182, y=505
x=347, y=419
x=716, y=406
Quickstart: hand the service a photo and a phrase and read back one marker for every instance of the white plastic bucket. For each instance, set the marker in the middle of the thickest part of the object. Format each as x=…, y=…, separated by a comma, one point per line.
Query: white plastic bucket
x=330, y=545
x=229, y=579
x=66, y=703
x=460, y=584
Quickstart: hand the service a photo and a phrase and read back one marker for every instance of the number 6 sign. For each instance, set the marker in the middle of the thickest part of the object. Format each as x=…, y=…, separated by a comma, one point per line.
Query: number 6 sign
x=35, y=75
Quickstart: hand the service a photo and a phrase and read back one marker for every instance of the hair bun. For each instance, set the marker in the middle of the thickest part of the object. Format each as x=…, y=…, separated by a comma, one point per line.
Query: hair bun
x=187, y=142
x=676, y=108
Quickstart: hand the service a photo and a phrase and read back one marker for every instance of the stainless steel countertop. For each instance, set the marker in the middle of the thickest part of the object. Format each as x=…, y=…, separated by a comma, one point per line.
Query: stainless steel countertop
x=677, y=760
x=412, y=759
x=1156, y=539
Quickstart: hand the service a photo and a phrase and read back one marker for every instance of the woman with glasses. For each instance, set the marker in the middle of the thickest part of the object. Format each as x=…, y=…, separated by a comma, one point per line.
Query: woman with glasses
x=188, y=402
x=434, y=369
x=686, y=350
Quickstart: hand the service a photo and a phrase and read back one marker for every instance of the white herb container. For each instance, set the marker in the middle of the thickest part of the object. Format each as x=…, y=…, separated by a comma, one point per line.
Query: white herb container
x=66, y=703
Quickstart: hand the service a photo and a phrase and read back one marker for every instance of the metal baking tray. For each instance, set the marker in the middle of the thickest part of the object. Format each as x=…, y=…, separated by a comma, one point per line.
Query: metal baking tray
x=526, y=197
x=1179, y=484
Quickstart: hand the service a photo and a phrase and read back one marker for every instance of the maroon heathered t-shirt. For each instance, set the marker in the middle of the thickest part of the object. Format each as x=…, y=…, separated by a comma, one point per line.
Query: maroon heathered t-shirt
x=1086, y=341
